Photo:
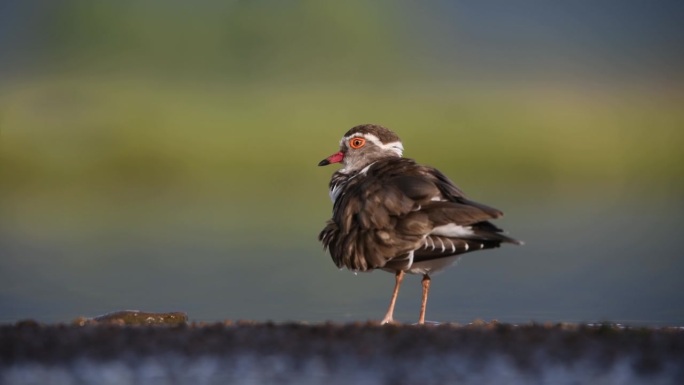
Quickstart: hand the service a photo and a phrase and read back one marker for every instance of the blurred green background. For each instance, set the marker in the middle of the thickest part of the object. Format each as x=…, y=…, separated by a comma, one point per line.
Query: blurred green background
x=161, y=155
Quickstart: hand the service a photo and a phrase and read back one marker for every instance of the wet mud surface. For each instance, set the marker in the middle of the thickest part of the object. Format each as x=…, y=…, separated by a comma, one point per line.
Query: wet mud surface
x=363, y=353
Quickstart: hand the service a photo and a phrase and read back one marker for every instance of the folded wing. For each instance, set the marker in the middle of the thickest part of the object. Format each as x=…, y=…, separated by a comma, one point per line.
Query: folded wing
x=402, y=211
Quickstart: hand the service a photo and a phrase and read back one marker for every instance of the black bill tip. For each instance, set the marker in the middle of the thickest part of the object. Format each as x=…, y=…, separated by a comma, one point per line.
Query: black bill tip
x=324, y=162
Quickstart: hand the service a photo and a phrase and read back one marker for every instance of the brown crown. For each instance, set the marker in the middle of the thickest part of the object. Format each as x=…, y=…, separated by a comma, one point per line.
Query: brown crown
x=384, y=134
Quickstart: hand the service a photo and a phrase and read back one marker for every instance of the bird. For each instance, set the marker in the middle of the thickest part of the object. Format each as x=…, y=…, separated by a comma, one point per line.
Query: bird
x=392, y=214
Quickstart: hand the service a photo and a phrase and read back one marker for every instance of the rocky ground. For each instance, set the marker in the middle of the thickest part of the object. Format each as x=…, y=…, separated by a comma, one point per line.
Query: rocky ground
x=112, y=351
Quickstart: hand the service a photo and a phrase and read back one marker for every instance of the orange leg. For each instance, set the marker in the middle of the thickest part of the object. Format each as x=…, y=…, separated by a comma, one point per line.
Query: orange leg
x=398, y=278
x=423, y=305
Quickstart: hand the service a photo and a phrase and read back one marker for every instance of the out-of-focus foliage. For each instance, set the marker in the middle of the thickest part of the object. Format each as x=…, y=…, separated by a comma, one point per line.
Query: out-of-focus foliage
x=242, y=41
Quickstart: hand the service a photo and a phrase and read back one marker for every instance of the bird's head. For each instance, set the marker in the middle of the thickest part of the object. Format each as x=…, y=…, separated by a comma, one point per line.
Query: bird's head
x=363, y=145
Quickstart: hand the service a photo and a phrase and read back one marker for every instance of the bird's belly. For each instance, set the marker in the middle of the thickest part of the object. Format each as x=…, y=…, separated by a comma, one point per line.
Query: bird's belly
x=433, y=265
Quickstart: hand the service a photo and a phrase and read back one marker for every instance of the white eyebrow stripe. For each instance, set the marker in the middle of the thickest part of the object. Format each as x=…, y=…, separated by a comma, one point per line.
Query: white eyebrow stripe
x=396, y=146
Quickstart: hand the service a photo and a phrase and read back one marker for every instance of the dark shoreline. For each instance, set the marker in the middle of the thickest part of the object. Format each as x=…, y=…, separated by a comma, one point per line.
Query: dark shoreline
x=530, y=350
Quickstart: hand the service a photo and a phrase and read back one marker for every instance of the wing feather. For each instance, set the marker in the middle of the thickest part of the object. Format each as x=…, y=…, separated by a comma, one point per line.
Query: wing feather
x=391, y=211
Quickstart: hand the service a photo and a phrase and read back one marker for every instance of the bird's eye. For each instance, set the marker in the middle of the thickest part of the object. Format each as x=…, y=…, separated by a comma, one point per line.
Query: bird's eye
x=357, y=142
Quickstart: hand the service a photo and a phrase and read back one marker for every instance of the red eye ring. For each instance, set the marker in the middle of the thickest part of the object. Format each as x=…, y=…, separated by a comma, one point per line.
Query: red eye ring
x=357, y=142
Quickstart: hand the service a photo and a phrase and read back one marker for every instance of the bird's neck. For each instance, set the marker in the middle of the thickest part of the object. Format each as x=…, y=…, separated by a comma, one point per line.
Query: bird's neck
x=337, y=183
